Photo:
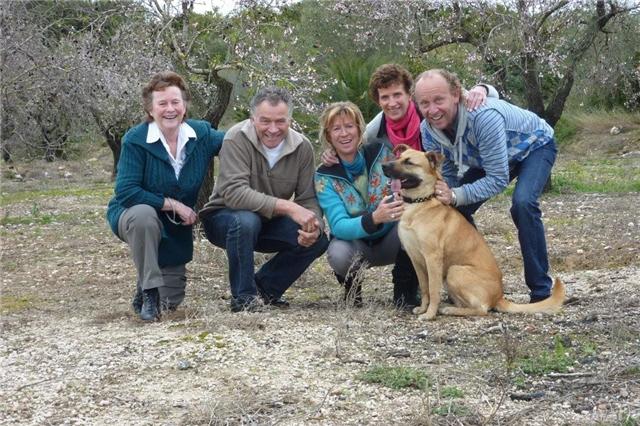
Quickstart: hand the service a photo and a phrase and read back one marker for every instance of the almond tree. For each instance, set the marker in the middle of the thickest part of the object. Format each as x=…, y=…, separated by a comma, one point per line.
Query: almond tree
x=234, y=55
x=534, y=46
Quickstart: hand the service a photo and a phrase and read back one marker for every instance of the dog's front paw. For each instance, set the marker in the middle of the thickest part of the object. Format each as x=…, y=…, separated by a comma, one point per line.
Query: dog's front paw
x=419, y=310
x=427, y=317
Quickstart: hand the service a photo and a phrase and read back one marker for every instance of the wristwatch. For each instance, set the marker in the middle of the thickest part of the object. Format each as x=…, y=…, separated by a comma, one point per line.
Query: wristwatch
x=454, y=199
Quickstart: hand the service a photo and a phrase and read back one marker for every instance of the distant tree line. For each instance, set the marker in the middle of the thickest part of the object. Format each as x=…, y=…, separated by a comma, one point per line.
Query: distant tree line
x=72, y=70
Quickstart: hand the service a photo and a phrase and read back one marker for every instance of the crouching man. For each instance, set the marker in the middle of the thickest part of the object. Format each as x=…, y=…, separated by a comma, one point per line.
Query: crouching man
x=264, y=201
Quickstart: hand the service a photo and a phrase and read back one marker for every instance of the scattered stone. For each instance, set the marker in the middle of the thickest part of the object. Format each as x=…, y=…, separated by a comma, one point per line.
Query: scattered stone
x=399, y=353
x=184, y=364
x=526, y=396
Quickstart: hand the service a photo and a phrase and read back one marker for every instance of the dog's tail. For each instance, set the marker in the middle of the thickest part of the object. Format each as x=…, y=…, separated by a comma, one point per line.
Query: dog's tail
x=549, y=305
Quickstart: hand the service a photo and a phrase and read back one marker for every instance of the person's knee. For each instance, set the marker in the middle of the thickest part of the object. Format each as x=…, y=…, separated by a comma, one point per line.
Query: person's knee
x=342, y=257
x=246, y=223
x=144, y=218
x=232, y=225
x=523, y=204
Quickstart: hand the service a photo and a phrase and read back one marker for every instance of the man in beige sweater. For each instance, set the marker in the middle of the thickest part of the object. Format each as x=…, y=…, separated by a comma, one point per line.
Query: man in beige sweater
x=264, y=200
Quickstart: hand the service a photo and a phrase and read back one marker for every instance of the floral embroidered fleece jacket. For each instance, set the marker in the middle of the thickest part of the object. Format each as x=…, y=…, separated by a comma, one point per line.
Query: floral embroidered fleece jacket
x=348, y=214
x=146, y=176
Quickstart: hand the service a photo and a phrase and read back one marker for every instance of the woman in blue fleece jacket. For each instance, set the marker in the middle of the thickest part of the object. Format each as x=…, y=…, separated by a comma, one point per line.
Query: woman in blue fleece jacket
x=356, y=198
x=162, y=165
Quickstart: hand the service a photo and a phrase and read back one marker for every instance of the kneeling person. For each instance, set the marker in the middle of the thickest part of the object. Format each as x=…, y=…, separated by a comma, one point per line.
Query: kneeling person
x=361, y=210
x=263, y=164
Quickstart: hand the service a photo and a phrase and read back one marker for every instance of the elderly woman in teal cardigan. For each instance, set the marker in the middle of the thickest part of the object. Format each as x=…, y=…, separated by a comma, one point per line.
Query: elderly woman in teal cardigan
x=361, y=209
x=162, y=165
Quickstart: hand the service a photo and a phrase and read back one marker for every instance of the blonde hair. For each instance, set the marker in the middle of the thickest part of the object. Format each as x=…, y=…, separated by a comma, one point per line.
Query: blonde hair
x=334, y=110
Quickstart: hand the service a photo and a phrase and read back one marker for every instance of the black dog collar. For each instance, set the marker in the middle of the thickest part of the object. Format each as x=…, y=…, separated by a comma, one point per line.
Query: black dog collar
x=417, y=200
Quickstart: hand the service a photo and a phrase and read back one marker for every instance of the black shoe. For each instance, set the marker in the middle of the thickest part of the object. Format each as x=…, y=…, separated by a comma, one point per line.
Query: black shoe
x=352, y=291
x=150, y=305
x=165, y=305
x=353, y=294
x=278, y=302
x=246, y=305
x=405, y=282
x=136, y=303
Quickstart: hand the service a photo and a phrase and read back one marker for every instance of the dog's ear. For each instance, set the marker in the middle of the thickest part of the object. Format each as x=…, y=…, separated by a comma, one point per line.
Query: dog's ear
x=399, y=149
x=435, y=158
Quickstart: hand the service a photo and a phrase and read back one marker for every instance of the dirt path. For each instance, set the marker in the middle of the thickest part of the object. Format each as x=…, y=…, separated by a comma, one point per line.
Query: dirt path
x=72, y=352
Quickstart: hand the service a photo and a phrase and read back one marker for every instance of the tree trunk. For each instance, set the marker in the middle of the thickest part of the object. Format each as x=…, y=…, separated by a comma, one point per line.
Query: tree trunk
x=114, y=140
x=220, y=103
x=207, y=186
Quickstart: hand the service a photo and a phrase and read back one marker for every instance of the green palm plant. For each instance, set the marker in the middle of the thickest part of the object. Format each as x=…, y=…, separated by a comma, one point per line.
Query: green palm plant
x=352, y=83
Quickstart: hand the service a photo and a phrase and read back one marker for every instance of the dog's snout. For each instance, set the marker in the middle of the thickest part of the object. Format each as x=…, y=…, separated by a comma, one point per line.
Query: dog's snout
x=387, y=168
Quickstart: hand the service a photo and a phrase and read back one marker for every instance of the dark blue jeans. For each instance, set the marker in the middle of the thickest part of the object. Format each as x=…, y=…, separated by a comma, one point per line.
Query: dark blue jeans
x=532, y=174
x=241, y=232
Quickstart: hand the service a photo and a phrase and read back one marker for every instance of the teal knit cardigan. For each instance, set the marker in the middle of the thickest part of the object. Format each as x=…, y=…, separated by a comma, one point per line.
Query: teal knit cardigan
x=145, y=176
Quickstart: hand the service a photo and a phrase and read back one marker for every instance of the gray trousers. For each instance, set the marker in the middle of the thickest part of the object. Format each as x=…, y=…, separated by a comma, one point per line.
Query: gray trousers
x=140, y=227
x=348, y=256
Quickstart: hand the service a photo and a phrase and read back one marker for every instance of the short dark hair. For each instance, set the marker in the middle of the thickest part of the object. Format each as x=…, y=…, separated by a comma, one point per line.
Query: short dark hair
x=273, y=95
x=387, y=75
x=161, y=81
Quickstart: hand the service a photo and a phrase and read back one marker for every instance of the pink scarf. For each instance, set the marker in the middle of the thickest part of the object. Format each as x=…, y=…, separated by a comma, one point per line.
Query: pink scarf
x=406, y=130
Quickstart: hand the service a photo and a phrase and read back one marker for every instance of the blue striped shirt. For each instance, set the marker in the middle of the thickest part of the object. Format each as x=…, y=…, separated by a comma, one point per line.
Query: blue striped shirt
x=497, y=136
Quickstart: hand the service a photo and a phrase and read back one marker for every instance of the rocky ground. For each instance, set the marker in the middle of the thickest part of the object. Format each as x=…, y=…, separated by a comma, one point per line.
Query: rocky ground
x=73, y=352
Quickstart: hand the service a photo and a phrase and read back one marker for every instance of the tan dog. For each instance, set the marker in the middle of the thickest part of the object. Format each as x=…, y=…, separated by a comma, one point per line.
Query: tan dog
x=444, y=247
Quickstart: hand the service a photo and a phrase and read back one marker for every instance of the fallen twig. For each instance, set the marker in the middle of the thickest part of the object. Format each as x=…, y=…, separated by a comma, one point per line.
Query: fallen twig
x=570, y=374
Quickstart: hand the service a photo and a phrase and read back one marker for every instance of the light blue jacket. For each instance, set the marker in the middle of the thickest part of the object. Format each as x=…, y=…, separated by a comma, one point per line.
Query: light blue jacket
x=348, y=214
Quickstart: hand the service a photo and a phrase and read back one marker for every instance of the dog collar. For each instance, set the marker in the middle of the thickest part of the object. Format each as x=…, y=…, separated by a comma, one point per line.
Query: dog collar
x=417, y=200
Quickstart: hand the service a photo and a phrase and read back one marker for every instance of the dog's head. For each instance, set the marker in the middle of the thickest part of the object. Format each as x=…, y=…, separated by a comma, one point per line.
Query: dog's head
x=417, y=171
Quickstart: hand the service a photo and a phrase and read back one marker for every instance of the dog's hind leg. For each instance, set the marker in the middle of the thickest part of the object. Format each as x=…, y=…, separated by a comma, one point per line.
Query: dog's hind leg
x=468, y=291
x=462, y=312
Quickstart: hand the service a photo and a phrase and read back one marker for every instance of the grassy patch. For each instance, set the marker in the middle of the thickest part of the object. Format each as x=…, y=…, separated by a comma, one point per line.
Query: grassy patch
x=103, y=191
x=632, y=371
x=564, y=130
x=451, y=392
x=10, y=304
x=395, y=377
x=627, y=419
x=597, y=176
x=566, y=355
x=48, y=218
x=556, y=360
x=451, y=409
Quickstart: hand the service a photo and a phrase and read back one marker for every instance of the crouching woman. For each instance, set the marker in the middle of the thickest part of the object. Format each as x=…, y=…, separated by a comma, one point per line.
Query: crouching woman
x=362, y=212
x=161, y=168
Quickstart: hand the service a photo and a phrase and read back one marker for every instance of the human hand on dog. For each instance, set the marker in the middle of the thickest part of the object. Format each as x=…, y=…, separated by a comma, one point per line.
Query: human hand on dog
x=389, y=210
x=444, y=194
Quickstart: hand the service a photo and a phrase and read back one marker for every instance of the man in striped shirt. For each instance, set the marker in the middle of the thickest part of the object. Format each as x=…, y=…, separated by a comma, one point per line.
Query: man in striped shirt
x=484, y=150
